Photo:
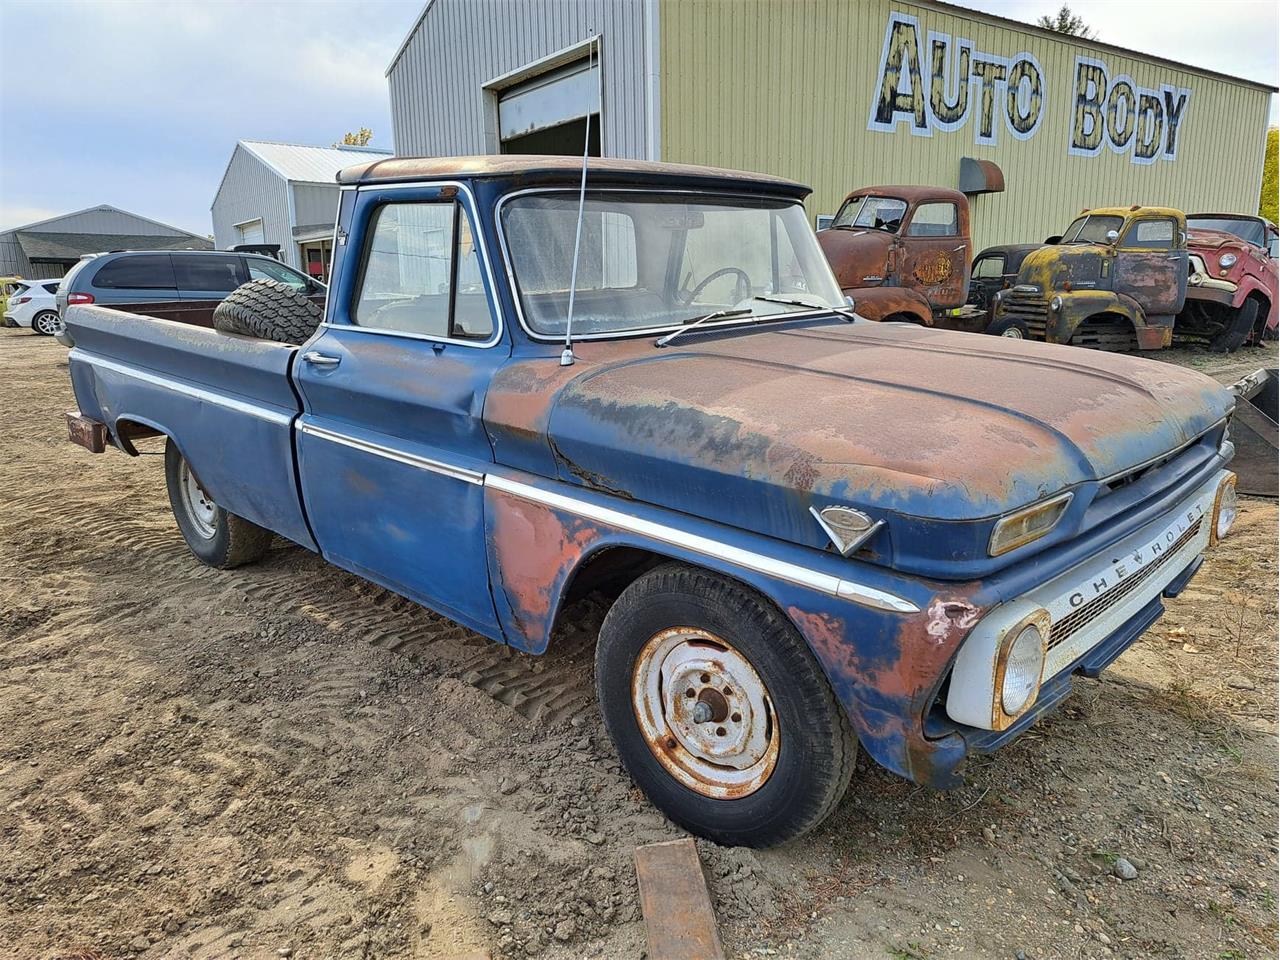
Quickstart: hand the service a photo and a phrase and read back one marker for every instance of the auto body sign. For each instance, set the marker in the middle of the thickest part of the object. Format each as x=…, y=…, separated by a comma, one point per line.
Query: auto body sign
x=933, y=81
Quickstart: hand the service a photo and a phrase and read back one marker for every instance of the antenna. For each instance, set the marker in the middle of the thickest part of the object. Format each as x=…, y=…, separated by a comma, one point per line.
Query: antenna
x=566, y=355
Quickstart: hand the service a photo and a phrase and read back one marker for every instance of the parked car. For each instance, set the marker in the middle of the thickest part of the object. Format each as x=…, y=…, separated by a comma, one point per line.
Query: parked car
x=814, y=531
x=995, y=269
x=1115, y=280
x=33, y=304
x=184, y=286
x=7, y=286
x=1232, y=289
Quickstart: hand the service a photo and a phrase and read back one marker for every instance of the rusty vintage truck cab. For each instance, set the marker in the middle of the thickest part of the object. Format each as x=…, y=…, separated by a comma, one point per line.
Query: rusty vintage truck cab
x=902, y=253
x=1232, y=288
x=814, y=534
x=1116, y=279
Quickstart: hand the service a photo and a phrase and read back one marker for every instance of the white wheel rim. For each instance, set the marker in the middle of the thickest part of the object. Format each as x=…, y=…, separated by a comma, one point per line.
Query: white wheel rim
x=705, y=713
x=201, y=511
x=1013, y=333
x=48, y=323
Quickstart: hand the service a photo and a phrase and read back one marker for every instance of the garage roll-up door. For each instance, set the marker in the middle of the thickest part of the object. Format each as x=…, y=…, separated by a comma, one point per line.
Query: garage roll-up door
x=252, y=232
x=559, y=96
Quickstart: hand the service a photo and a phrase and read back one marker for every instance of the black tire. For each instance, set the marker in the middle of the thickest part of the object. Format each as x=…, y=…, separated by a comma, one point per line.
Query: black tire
x=269, y=310
x=1006, y=327
x=48, y=317
x=226, y=540
x=1237, y=330
x=816, y=746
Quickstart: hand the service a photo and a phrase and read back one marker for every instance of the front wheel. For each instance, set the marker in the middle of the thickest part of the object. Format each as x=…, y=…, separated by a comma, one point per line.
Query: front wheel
x=719, y=711
x=1010, y=327
x=217, y=537
x=1238, y=327
x=47, y=323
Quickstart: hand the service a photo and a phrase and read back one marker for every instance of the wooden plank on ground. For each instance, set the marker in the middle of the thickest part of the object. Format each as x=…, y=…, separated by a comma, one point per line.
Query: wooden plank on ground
x=679, y=922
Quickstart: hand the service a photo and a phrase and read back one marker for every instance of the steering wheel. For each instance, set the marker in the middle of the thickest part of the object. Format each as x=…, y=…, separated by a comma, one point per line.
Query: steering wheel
x=740, y=289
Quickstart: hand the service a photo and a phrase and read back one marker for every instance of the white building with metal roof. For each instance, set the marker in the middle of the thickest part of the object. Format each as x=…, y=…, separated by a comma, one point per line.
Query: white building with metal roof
x=284, y=195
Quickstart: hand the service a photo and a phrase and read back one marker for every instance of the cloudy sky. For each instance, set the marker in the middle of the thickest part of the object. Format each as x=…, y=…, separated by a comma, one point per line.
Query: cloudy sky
x=139, y=103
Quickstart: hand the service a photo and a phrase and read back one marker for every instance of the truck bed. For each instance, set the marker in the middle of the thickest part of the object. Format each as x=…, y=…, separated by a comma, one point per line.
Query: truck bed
x=227, y=400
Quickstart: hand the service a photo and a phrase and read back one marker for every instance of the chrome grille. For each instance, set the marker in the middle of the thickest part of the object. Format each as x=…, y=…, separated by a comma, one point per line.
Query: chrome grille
x=1078, y=619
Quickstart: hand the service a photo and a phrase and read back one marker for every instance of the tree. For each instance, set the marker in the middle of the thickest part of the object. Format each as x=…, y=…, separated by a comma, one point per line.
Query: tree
x=360, y=138
x=1270, y=180
x=1068, y=23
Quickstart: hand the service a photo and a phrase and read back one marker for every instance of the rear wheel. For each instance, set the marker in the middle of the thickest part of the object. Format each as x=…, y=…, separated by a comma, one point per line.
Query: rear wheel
x=1236, y=332
x=719, y=711
x=217, y=537
x=47, y=323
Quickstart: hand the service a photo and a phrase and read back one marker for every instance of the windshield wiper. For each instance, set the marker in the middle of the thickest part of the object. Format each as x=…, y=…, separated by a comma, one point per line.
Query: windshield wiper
x=842, y=311
x=698, y=321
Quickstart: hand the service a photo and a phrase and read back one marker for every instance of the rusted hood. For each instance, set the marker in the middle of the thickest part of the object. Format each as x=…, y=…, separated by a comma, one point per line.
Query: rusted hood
x=1212, y=239
x=857, y=257
x=750, y=429
x=1052, y=267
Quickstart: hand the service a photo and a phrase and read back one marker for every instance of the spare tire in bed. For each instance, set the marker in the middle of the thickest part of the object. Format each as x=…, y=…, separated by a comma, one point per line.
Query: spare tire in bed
x=270, y=310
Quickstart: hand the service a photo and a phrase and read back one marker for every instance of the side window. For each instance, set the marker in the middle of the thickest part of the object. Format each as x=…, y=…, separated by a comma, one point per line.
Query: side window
x=988, y=268
x=212, y=273
x=50, y=287
x=1150, y=234
x=270, y=270
x=934, y=220
x=422, y=274
x=137, y=273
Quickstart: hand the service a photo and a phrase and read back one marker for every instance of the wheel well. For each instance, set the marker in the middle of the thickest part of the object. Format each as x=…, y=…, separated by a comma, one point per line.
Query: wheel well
x=903, y=316
x=1264, y=313
x=127, y=431
x=608, y=572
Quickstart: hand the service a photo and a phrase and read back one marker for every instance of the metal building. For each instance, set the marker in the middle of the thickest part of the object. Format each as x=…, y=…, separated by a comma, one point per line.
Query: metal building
x=47, y=249
x=284, y=194
x=838, y=94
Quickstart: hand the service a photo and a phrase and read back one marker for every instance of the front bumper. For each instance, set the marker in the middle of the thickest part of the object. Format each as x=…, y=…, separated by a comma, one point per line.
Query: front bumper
x=1097, y=610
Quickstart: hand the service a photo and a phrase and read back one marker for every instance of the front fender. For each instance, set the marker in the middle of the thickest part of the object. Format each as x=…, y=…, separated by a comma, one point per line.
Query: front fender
x=1079, y=305
x=884, y=666
x=879, y=303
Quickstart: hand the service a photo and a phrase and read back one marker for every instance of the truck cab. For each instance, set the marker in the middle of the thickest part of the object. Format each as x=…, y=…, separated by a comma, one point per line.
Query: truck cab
x=1116, y=279
x=1232, y=287
x=901, y=252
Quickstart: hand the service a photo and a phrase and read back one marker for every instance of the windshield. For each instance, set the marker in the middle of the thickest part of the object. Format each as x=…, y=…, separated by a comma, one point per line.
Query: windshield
x=1250, y=231
x=871, y=213
x=1093, y=229
x=653, y=261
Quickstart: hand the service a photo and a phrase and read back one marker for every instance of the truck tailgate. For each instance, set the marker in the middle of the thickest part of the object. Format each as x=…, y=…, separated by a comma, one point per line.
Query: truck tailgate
x=226, y=401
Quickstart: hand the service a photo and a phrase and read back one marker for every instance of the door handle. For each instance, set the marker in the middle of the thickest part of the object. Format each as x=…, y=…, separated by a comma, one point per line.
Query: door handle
x=320, y=359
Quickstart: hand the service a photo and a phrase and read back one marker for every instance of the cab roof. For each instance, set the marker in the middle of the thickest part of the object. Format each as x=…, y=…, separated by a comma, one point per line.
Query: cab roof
x=1133, y=211
x=910, y=193
x=530, y=170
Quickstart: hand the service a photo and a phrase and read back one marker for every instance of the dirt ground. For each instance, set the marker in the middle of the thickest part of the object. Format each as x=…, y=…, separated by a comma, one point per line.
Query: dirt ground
x=283, y=760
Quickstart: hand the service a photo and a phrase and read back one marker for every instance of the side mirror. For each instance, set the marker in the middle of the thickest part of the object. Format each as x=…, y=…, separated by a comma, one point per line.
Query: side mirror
x=1113, y=236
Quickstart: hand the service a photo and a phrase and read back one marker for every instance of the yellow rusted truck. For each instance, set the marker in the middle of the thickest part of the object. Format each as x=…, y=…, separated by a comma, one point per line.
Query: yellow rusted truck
x=1115, y=280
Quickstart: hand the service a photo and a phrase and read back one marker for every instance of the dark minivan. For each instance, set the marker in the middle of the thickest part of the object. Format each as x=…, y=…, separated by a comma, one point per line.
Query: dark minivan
x=184, y=286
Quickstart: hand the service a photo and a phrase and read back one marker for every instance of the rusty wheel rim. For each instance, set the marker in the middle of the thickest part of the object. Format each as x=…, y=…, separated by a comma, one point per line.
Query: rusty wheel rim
x=202, y=511
x=705, y=713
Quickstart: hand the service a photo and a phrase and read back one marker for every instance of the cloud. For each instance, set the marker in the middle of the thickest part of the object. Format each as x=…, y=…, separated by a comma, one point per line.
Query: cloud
x=17, y=215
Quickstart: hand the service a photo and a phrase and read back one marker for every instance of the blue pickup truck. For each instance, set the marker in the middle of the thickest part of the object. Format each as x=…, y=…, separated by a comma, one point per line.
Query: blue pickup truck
x=816, y=532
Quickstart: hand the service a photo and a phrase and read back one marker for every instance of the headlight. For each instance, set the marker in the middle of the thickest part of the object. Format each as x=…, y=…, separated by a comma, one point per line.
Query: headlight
x=1225, y=508
x=1227, y=260
x=1055, y=304
x=1018, y=669
x=1030, y=523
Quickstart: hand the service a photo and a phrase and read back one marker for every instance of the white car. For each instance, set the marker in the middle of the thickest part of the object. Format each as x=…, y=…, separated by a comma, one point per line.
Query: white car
x=33, y=305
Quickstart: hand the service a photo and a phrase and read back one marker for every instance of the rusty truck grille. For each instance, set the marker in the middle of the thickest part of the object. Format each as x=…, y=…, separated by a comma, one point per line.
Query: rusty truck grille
x=1078, y=619
x=1030, y=308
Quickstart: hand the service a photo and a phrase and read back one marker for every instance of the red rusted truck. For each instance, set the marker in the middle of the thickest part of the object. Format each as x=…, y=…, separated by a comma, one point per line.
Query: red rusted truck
x=1232, y=286
x=902, y=253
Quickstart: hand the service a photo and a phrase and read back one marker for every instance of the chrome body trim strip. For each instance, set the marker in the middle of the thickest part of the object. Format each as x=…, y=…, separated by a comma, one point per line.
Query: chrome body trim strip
x=750, y=560
x=258, y=410
x=409, y=459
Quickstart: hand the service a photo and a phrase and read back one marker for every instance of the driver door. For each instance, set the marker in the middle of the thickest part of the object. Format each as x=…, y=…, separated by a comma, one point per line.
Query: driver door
x=1151, y=265
x=935, y=253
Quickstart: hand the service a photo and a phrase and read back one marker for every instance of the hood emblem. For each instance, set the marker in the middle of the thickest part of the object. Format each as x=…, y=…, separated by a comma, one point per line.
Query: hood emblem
x=847, y=528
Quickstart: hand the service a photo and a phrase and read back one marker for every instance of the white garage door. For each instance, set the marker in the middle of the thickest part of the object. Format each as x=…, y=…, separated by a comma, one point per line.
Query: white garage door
x=251, y=232
x=548, y=100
